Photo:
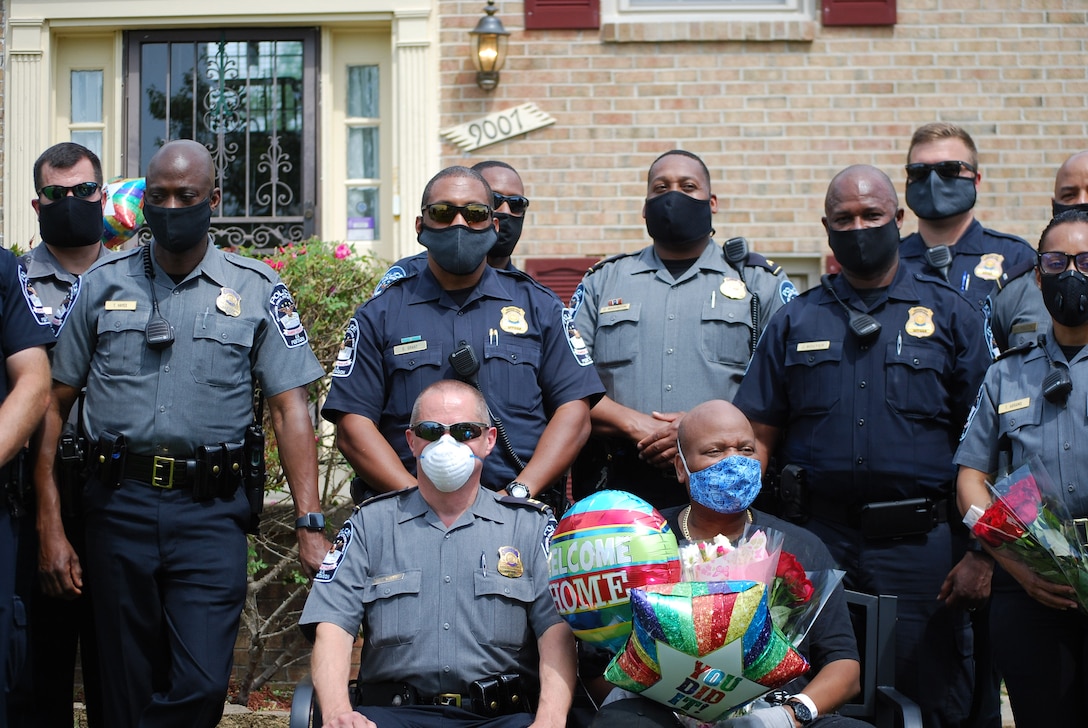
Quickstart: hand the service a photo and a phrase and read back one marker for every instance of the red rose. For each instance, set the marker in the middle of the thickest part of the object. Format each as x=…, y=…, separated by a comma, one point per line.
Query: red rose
x=793, y=574
x=1024, y=500
x=997, y=526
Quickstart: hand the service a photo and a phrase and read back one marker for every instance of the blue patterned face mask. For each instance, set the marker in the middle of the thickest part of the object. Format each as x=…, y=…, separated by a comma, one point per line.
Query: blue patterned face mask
x=728, y=486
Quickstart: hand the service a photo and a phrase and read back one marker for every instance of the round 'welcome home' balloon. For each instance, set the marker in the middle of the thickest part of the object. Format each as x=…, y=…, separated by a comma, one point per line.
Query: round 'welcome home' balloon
x=605, y=545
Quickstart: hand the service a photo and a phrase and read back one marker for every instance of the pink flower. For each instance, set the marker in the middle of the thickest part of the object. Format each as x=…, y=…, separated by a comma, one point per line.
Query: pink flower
x=342, y=251
x=274, y=264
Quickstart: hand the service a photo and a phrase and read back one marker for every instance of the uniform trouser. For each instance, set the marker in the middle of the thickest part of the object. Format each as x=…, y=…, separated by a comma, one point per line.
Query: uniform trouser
x=56, y=627
x=168, y=579
x=8, y=543
x=426, y=716
x=933, y=643
x=1042, y=654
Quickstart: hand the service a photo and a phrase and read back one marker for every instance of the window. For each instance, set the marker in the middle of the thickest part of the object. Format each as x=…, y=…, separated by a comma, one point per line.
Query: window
x=638, y=21
x=86, y=124
x=364, y=168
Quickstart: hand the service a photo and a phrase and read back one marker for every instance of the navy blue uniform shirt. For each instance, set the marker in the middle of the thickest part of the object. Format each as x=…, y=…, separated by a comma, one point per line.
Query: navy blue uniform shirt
x=18, y=328
x=399, y=342
x=871, y=421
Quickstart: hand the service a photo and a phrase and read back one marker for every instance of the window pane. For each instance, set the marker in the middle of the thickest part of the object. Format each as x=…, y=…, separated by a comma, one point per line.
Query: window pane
x=363, y=153
x=362, y=213
x=363, y=92
x=86, y=96
x=90, y=139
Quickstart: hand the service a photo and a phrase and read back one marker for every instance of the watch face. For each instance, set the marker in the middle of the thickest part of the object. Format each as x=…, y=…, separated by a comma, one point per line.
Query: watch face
x=804, y=715
x=518, y=490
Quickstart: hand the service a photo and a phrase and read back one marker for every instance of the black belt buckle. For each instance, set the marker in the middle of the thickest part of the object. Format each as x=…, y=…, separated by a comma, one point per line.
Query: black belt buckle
x=1080, y=528
x=162, y=472
x=448, y=699
x=898, y=519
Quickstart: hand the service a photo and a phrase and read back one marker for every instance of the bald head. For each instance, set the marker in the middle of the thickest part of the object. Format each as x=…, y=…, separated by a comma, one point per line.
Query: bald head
x=183, y=156
x=861, y=181
x=1071, y=182
x=711, y=426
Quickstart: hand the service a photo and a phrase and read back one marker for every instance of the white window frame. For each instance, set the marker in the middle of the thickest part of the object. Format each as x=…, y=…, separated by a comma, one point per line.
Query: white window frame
x=704, y=11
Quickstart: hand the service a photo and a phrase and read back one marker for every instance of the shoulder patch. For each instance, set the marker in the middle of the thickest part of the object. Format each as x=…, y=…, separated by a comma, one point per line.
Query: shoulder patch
x=345, y=357
x=335, y=555
x=787, y=291
x=577, y=343
x=41, y=313
x=391, y=276
x=1018, y=349
x=284, y=312
x=971, y=414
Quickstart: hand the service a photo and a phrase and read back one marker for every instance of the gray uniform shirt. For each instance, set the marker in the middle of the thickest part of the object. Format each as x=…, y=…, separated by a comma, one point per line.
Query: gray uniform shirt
x=666, y=345
x=1010, y=402
x=1017, y=312
x=234, y=322
x=51, y=285
x=440, y=607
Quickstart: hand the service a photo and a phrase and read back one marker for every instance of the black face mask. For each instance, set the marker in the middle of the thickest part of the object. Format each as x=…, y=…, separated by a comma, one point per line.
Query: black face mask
x=509, y=235
x=179, y=229
x=677, y=221
x=937, y=198
x=457, y=249
x=1057, y=208
x=1066, y=297
x=868, y=251
x=71, y=222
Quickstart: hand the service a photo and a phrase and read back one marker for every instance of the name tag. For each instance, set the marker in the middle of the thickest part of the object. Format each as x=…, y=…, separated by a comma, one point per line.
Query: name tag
x=1016, y=404
x=615, y=308
x=387, y=579
x=409, y=348
x=1024, y=328
x=814, y=346
x=120, y=305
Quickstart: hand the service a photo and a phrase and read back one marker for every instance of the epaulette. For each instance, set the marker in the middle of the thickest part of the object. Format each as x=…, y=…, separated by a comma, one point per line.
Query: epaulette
x=114, y=258
x=384, y=496
x=1018, y=349
x=258, y=266
x=755, y=260
x=610, y=259
x=1006, y=236
x=530, y=503
x=1013, y=273
x=526, y=278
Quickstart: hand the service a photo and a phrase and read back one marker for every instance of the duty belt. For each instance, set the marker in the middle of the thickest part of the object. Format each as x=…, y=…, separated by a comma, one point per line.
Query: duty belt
x=886, y=519
x=160, y=471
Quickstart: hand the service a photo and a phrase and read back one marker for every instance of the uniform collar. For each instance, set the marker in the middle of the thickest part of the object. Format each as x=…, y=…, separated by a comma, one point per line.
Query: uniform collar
x=970, y=243
x=426, y=288
x=41, y=263
x=485, y=506
x=712, y=258
x=212, y=265
x=904, y=287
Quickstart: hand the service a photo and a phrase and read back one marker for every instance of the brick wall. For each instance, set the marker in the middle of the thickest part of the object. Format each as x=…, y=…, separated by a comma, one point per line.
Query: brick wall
x=774, y=120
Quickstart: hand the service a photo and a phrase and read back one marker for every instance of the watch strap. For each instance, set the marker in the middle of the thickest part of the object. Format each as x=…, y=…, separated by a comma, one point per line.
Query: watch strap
x=807, y=702
x=311, y=522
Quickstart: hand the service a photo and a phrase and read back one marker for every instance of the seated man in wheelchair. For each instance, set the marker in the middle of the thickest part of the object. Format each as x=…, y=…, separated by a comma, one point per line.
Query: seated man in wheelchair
x=717, y=465
x=449, y=582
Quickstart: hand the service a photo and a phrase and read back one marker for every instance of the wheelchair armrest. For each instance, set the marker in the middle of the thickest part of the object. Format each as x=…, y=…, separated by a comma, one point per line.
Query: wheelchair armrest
x=907, y=711
x=303, y=704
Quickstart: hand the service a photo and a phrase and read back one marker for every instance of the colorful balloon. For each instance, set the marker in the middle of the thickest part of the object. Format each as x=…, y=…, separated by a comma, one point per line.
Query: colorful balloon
x=605, y=545
x=124, y=213
x=704, y=648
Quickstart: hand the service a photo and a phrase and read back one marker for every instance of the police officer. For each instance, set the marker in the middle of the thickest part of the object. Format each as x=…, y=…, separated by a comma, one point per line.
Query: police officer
x=509, y=209
x=668, y=326
x=450, y=584
x=943, y=178
x=537, y=378
x=170, y=341
x=71, y=196
x=861, y=386
x=24, y=393
x=1040, y=638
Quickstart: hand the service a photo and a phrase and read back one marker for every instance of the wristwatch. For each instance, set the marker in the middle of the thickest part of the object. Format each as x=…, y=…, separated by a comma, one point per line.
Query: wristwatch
x=311, y=522
x=804, y=710
x=517, y=490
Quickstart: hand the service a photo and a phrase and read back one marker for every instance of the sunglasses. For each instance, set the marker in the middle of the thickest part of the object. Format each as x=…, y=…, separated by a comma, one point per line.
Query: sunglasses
x=1055, y=263
x=517, y=203
x=444, y=213
x=58, y=192
x=462, y=431
x=919, y=171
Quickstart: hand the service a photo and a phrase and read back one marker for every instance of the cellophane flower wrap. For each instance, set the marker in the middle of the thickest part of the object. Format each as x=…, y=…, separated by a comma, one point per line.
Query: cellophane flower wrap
x=755, y=565
x=1028, y=520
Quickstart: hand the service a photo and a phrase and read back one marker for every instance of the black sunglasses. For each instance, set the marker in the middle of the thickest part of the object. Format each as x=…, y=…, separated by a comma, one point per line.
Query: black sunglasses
x=1055, y=263
x=919, y=171
x=517, y=203
x=58, y=192
x=430, y=430
x=444, y=213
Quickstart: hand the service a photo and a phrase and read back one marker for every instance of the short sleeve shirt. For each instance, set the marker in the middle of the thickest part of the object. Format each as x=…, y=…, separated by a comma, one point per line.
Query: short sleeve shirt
x=234, y=324
x=1017, y=311
x=51, y=289
x=663, y=344
x=1010, y=402
x=18, y=328
x=399, y=342
x=877, y=420
x=439, y=607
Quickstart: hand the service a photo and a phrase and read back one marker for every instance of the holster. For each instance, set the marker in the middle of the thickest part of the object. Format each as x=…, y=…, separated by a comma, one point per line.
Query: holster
x=112, y=449
x=385, y=693
x=500, y=695
x=70, y=472
x=16, y=484
x=218, y=470
x=255, y=474
x=793, y=496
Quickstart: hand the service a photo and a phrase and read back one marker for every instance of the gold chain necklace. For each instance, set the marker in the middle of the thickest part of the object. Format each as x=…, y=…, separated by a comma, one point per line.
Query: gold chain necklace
x=684, y=521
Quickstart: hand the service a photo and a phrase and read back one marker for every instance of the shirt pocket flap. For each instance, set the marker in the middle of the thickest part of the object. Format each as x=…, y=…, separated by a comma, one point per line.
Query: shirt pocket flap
x=518, y=589
x=812, y=353
x=388, y=586
x=235, y=333
x=122, y=321
x=618, y=314
x=410, y=361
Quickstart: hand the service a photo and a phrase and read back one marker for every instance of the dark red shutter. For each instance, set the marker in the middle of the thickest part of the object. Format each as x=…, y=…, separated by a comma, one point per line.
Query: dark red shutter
x=562, y=14
x=562, y=275
x=859, y=12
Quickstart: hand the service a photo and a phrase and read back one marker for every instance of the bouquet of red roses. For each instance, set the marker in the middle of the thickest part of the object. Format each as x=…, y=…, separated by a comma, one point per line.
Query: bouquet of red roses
x=1028, y=519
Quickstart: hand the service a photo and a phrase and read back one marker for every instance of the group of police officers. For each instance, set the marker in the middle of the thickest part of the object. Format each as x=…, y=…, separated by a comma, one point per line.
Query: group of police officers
x=858, y=392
